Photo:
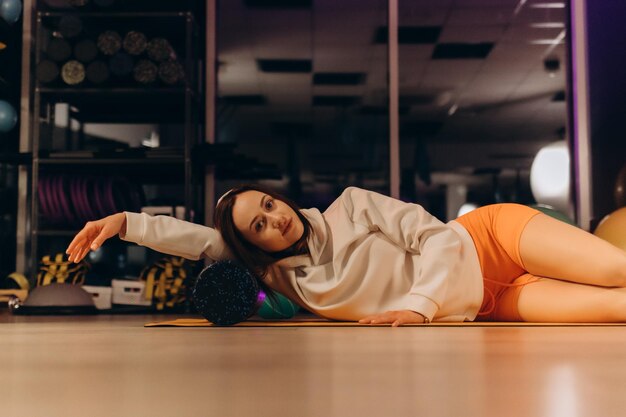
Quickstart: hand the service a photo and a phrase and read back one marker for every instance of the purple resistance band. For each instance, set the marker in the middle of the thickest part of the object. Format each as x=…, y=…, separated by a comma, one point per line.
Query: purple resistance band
x=98, y=198
x=47, y=193
x=64, y=213
x=85, y=193
x=108, y=203
x=124, y=195
x=62, y=195
x=78, y=200
x=56, y=214
x=43, y=203
x=89, y=186
x=81, y=213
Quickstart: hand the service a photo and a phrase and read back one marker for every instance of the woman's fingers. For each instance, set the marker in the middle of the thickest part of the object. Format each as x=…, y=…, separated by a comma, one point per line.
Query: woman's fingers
x=395, y=318
x=81, y=236
x=84, y=253
x=72, y=246
x=75, y=253
x=375, y=319
x=81, y=243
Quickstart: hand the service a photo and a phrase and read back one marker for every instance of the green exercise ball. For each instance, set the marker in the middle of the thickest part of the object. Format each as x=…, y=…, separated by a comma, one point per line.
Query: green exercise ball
x=277, y=307
x=552, y=212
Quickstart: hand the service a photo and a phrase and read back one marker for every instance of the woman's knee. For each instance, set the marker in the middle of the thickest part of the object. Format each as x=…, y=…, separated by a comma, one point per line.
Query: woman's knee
x=615, y=309
x=614, y=274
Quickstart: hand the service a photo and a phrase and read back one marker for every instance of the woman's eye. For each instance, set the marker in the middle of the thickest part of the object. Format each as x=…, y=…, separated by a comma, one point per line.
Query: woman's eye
x=269, y=204
x=258, y=226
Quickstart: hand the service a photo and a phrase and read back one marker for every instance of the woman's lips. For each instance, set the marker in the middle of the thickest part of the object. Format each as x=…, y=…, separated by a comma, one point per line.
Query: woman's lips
x=287, y=227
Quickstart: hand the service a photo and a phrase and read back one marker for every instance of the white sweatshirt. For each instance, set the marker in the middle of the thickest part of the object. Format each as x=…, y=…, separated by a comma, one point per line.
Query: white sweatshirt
x=369, y=253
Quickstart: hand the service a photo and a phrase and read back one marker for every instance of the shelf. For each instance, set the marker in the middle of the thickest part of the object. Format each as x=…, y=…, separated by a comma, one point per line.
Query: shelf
x=124, y=105
x=72, y=91
x=114, y=14
x=124, y=6
x=166, y=172
x=112, y=161
x=142, y=170
x=17, y=158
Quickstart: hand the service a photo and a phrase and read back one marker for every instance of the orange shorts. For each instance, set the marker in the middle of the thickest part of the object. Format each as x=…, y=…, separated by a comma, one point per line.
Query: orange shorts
x=496, y=230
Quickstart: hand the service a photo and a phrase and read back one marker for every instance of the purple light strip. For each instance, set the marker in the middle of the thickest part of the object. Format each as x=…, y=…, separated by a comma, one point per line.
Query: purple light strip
x=260, y=299
x=576, y=138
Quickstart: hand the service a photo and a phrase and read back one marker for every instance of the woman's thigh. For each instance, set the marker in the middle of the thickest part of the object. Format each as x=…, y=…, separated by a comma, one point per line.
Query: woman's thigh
x=552, y=248
x=550, y=300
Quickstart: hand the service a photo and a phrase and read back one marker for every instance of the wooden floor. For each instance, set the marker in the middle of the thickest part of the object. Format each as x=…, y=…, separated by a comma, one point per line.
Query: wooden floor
x=113, y=366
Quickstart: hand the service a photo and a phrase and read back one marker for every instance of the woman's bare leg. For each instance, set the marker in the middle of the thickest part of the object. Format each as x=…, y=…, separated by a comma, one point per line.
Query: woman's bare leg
x=554, y=249
x=550, y=300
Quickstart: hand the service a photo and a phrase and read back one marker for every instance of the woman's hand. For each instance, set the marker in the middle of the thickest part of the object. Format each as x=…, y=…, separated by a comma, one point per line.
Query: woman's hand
x=396, y=318
x=94, y=234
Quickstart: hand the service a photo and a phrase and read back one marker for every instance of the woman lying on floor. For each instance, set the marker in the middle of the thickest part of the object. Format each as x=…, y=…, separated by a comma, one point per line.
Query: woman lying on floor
x=375, y=259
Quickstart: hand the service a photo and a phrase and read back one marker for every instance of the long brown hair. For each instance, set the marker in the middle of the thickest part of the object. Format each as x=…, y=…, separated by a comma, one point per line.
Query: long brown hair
x=254, y=258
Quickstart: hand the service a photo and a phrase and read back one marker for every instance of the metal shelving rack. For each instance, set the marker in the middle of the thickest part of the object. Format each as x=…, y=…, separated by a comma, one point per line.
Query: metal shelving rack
x=182, y=104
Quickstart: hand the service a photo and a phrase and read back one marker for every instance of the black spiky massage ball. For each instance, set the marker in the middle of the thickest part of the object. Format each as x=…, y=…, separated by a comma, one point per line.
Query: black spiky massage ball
x=226, y=293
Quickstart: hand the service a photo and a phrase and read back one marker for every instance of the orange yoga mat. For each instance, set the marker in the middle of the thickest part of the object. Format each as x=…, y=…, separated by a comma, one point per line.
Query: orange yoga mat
x=318, y=322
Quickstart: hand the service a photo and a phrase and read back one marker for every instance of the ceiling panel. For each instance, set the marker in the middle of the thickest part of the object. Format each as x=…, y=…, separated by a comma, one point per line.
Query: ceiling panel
x=465, y=16
x=412, y=14
x=349, y=6
x=527, y=33
x=483, y=33
x=449, y=74
x=489, y=3
x=280, y=35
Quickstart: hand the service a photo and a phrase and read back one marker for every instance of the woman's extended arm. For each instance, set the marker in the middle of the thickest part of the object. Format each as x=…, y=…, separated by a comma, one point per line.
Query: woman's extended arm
x=161, y=233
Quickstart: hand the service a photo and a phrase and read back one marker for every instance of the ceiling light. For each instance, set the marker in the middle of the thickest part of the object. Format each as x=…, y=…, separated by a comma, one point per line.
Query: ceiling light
x=546, y=42
x=466, y=208
x=519, y=7
x=558, y=5
x=453, y=109
x=550, y=176
x=548, y=25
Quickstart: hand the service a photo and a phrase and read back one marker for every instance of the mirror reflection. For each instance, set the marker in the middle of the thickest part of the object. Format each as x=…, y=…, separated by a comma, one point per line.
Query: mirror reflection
x=303, y=93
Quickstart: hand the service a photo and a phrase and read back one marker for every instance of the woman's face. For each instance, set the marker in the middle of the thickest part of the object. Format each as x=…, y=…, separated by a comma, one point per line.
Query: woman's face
x=265, y=222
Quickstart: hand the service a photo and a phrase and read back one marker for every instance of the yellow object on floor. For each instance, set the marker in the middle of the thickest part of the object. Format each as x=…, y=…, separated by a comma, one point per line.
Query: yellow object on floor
x=6, y=295
x=318, y=322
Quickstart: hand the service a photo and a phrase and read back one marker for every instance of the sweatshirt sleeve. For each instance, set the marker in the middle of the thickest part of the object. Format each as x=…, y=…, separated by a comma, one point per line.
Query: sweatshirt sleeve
x=417, y=231
x=175, y=237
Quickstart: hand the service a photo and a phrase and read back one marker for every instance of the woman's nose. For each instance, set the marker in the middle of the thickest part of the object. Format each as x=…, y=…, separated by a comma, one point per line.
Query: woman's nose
x=276, y=221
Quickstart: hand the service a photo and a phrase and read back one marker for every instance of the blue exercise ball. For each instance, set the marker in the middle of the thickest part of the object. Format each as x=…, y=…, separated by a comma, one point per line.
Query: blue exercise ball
x=10, y=10
x=8, y=116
